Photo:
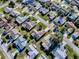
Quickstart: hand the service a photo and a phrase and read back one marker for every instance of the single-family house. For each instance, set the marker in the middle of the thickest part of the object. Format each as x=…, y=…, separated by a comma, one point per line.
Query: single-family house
x=64, y=12
x=59, y=52
x=42, y=57
x=20, y=20
x=69, y=31
x=60, y=20
x=72, y=2
x=55, y=7
x=75, y=35
x=70, y=25
x=15, y=13
x=72, y=17
x=47, y=43
x=7, y=9
x=2, y=22
x=13, y=35
x=29, y=25
x=59, y=9
x=37, y=5
x=43, y=1
x=20, y=43
x=43, y=10
x=37, y=34
x=8, y=28
x=52, y=14
x=32, y=52
x=29, y=2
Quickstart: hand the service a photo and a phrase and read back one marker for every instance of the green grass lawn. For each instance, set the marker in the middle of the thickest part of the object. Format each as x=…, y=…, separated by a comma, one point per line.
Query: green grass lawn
x=24, y=14
x=40, y=24
x=45, y=17
x=18, y=9
x=70, y=53
x=32, y=19
x=1, y=30
x=21, y=55
x=1, y=55
x=1, y=10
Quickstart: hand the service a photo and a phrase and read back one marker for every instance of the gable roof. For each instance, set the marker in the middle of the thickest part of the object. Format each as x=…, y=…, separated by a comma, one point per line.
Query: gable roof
x=20, y=43
x=32, y=52
x=20, y=20
x=59, y=52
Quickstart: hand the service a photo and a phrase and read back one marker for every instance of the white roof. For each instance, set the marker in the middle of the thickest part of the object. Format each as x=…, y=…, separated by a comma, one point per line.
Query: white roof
x=59, y=52
x=32, y=52
x=21, y=19
x=7, y=9
x=33, y=49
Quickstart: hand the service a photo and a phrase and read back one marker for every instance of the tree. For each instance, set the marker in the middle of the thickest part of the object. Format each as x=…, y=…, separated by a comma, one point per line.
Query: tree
x=18, y=0
x=25, y=36
x=58, y=37
x=15, y=56
x=9, y=48
x=11, y=4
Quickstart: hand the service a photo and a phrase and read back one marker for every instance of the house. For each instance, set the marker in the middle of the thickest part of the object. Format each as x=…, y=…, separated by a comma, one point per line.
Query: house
x=20, y=20
x=32, y=52
x=48, y=3
x=70, y=25
x=55, y=7
x=15, y=13
x=69, y=31
x=60, y=20
x=75, y=35
x=7, y=9
x=2, y=22
x=59, y=9
x=37, y=5
x=52, y=14
x=59, y=52
x=43, y=1
x=20, y=43
x=42, y=57
x=37, y=34
x=72, y=2
x=29, y=2
x=8, y=27
x=43, y=10
x=47, y=42
x=72, y=17
x=29, y=25
x=24, y=9
x=13, y=35
x=64, y=12
x=68, y=0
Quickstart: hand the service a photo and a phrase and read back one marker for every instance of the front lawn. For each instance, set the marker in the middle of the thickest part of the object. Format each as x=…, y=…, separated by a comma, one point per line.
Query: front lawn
x=45, y=17
x=70, y=53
